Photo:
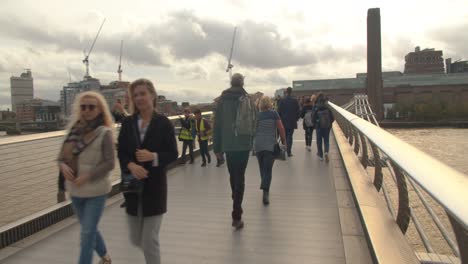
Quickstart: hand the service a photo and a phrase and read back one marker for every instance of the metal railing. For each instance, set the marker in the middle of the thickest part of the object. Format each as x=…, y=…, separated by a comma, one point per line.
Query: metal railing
x=54, y=212
x=378, y=148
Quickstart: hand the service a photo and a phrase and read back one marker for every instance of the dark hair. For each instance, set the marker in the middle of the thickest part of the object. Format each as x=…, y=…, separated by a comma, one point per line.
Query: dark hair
x=289, y=90
x=237, y=80
x=196, y=111
x=187, y=110
x=321, y=99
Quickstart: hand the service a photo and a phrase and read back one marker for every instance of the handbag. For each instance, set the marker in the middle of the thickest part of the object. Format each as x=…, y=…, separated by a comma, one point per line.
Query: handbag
x=278, y=152
x=129, y=182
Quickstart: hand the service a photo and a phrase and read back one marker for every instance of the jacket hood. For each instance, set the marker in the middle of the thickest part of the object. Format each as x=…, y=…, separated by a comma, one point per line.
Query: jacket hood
x=233, y=92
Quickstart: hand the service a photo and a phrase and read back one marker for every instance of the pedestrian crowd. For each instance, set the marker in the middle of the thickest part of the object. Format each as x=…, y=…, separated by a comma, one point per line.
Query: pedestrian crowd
x=147, y=144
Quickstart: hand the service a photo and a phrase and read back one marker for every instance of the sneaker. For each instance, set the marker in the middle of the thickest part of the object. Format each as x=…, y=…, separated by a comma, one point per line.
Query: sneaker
x=191, y=162
x=309, y=148
x=105, y=260
x=326, y=157
x=203, y=164
x=290, y=154
x=320, y=158
x=238, y=224
x=266, y=199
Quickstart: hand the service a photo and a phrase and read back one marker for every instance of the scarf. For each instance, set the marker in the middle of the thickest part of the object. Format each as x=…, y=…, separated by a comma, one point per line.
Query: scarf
x=80, y=136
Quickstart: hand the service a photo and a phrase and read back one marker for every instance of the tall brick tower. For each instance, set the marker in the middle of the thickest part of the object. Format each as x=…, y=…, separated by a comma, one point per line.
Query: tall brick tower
x=374, y=62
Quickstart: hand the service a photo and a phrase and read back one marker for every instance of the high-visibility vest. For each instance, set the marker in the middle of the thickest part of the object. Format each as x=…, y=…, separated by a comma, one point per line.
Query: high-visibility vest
x=186, y=134
x=202, y=129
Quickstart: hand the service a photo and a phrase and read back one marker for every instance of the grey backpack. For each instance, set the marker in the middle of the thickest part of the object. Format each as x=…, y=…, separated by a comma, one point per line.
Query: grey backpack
x=308, y=118
x=245, y=117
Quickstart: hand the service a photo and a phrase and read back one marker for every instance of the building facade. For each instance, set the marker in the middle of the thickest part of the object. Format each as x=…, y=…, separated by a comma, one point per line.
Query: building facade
x=427, y=61
x=114, y=92
x=38, y=110
x=22, y=88
x=71, y=90
x=456, y=67
x=398, y=88
x=7, y=115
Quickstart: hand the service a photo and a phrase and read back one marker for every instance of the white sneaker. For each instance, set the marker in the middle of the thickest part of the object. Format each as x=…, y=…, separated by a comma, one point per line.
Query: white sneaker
x=309, y=148
x=320, y=158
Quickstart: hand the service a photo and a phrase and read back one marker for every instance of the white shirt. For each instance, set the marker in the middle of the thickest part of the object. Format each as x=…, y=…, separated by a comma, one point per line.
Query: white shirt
x=142, y=137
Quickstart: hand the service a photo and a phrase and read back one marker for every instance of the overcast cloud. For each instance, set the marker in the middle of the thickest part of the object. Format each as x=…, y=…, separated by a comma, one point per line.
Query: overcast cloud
x=185, y=51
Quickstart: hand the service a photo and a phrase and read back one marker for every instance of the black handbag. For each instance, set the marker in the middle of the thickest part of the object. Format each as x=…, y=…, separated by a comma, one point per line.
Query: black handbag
x=278, y=153
x=129, y=182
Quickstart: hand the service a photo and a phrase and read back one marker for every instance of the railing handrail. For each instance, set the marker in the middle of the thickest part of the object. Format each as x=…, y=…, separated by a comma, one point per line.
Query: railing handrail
x=45, y=135
x=440, y=181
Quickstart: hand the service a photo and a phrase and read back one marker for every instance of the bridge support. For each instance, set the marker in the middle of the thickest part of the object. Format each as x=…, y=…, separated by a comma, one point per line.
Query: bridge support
x=374, y=62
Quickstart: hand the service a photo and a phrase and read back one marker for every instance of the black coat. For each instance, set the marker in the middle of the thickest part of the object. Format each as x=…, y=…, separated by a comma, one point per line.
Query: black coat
x=159, y=138
x=288, y=110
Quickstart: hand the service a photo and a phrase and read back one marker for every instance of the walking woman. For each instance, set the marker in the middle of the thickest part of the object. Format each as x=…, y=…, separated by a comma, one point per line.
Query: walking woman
x=147, y=144
x=85, y=160
x=323, y=118
x=307, y=122
x=268, y=122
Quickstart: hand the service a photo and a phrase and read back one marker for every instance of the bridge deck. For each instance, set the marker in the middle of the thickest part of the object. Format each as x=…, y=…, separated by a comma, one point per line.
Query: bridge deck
x=301, y=225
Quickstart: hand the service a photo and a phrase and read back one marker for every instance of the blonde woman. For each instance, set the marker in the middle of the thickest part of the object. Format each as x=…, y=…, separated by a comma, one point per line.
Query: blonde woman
x=268, y=122
x=85, y=160
x=147, y=144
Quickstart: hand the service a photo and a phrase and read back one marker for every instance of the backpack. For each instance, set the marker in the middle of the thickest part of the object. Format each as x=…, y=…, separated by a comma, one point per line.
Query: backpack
x=324, y=118
x=308, y=118
x=245, y=117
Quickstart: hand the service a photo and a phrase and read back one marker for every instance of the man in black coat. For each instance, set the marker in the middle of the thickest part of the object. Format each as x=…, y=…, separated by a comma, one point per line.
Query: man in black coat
x=288, y=110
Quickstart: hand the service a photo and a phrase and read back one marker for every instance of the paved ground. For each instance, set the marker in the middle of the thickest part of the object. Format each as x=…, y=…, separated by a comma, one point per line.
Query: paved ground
x=301, y=225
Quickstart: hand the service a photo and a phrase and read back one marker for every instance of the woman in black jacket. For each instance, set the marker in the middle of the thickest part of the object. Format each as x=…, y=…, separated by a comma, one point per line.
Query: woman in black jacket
x=307, y=122
x=147, y=145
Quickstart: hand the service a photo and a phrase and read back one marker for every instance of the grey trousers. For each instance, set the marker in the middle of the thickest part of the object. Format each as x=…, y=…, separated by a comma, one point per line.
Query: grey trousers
x=144, y=233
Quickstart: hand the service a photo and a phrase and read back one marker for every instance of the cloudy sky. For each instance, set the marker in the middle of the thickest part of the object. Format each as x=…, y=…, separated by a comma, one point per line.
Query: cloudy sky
x=183, y=45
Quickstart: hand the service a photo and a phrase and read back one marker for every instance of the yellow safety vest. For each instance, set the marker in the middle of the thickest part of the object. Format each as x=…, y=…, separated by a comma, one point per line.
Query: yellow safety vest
x=186, y=134
x=202, y=129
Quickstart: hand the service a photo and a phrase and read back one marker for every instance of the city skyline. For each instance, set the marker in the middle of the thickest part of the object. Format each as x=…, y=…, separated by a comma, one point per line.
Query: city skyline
x=183, y=50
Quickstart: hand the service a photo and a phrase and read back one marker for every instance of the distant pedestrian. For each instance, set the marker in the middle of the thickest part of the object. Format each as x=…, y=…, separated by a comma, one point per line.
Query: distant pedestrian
x=86, y=160
x=268, y=123
x=147, y=145
x=233, y=134
x=288, y=109
x=204, y=133
x=307, y=120
x=187, y=125
x=323, y=118
x=219, y=156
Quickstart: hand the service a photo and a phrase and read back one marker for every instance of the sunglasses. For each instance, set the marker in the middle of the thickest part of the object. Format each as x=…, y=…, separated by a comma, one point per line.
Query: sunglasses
x=91, y=107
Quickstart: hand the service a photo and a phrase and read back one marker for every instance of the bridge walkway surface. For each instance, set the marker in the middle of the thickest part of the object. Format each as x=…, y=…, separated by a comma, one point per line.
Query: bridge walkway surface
x=301, y=224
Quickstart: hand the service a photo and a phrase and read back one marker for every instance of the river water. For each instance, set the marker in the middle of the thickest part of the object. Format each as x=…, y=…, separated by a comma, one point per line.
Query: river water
x=449, y=146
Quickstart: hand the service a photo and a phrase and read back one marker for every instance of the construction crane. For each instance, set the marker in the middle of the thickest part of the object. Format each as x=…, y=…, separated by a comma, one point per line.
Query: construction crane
x=86, y=59
x=119, y=70
x=230, y=66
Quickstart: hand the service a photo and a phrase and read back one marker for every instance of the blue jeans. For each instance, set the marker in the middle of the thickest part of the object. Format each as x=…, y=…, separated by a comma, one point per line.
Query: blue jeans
x=323, y=134
x=204, y=152
x=89, y=211
x=265, y=162
x=289, y=138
